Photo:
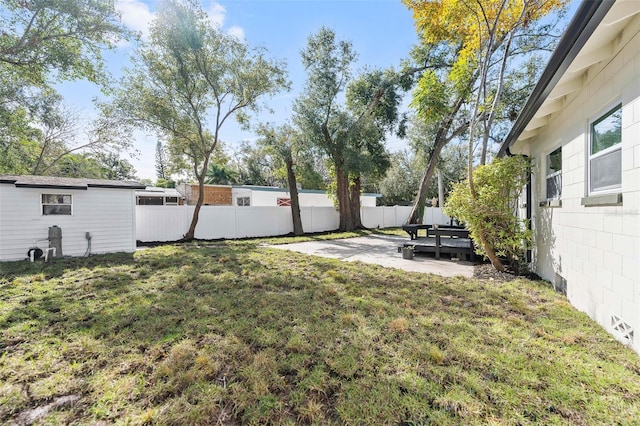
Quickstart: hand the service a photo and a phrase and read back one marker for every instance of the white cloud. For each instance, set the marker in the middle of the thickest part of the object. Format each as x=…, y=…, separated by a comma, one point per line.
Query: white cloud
x=217, y=14
x=236, y=32
x=135, y=15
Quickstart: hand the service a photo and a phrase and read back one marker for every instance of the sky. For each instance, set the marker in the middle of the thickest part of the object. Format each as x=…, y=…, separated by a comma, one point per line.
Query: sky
x=381, y=32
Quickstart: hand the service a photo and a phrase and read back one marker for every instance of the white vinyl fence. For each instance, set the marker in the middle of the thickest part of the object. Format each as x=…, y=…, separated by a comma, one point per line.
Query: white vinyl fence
x=170, y=223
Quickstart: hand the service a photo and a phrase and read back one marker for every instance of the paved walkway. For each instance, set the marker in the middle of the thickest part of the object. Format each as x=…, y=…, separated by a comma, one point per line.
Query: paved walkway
x=380, y=250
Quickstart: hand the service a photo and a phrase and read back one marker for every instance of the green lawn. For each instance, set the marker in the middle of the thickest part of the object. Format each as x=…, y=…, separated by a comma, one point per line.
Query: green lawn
x=235, y=333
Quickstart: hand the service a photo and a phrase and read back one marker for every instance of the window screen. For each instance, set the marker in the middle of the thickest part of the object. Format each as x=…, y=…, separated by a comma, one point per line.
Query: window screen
x=554, y=174
x=56, y=204
x=605, y=152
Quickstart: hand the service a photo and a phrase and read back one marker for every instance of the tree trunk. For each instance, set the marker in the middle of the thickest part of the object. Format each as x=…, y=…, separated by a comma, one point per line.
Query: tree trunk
x=190, y=235
x=440, y=141
x=440, y=189
x=490, y=252
x=344, y=206
x=354, y=194
x=295, y=202
x=417, y=212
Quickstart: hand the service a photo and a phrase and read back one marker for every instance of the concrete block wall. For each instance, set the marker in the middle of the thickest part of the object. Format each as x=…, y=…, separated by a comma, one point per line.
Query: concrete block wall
x=595, y=249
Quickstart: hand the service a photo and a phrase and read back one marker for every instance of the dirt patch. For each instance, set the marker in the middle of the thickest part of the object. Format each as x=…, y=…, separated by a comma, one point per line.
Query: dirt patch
x=485, y=271
x=33, y=415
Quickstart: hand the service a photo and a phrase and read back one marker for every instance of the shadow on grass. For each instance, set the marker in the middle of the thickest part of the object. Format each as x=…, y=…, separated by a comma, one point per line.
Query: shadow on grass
x=184, y=334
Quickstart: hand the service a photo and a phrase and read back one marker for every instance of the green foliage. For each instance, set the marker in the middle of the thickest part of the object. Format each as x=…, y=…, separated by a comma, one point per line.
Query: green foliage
x=351, y=134
x=187, y=81
x=115, y=168
x=43, y=41
x=218, y=174
x=163, y=183
x=401, y=181
x=57, y=38
x=493, y=212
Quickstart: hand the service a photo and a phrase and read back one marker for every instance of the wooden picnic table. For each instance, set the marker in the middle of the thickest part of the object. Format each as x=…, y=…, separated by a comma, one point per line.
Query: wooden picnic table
x=440, y=239
x=413, y=228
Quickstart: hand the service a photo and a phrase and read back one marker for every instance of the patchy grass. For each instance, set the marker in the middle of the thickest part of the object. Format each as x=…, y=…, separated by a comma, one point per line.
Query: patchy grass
x=235, y=333
x=330, y=236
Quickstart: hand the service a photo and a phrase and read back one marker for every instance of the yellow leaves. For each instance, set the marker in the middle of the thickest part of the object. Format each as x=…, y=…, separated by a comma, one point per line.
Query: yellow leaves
x=473, y=22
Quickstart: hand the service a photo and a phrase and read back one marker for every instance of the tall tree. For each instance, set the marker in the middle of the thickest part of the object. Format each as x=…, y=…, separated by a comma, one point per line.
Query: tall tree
x=451, y=31
x=43, y=41
x=488, y=34
x=115, y=168
x=47, y=134
x=161, y=162
x=187, y=81
x=283, y=142
x=64, y=39
x=319, y=114
x=350, y=134
x=254, y=166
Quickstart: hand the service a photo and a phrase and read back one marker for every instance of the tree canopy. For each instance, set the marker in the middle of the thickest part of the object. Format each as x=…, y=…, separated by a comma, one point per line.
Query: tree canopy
x=347, y=118
x=42, y=42
x=187, y=81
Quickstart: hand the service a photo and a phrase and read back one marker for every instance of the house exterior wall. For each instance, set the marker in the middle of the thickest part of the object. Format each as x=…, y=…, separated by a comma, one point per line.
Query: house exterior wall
x=108, y=214
x=595, y=250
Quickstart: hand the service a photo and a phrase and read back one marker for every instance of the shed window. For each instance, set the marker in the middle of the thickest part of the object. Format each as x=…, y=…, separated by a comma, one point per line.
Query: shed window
x=605, y=152
x=149, y=201
x=243, y=201
x=284, y=202
x=554, y=174
x=56, y=204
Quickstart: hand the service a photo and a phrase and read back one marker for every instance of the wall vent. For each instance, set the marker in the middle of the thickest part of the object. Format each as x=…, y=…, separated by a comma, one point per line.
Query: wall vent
x=624, y=330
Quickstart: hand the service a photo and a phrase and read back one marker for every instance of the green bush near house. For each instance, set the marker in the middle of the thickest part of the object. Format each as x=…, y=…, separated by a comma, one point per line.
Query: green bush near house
x=492, y=214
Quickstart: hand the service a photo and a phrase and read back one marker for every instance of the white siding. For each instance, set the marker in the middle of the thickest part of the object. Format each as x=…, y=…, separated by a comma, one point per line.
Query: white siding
x=595, y=249
x=108, y=214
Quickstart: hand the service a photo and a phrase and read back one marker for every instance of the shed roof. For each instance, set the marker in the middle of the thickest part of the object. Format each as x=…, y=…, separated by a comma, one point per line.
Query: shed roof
x=154, y=191
x=589, y=40
x=66, y=183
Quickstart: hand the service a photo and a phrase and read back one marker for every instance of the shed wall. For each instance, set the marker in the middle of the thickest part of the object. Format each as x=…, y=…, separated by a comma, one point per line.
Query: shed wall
x=108, y=214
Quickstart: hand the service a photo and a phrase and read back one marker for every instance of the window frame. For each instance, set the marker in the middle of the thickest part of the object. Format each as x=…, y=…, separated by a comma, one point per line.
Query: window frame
x=552, y=174
x=603, y=115
x=246, y=197
x=44, y=204
x=170, y=203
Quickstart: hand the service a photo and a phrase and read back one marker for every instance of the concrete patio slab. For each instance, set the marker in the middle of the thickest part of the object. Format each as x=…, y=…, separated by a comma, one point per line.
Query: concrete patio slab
x=380, y=250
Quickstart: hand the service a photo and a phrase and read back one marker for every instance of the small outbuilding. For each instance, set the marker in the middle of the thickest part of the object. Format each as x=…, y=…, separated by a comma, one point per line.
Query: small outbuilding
x=90, y=215
x=155, y=196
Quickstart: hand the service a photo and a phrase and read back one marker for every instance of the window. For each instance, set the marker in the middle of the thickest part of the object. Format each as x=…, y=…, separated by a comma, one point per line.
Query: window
x=554, y=174
x=243, y=201
x=284, y=202
x=56, y=204
x=170, y=201
x=605, y=152
x=149, y=201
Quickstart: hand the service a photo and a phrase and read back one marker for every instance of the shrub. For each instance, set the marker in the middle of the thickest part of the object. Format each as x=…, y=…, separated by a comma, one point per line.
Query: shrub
x=491, y=216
